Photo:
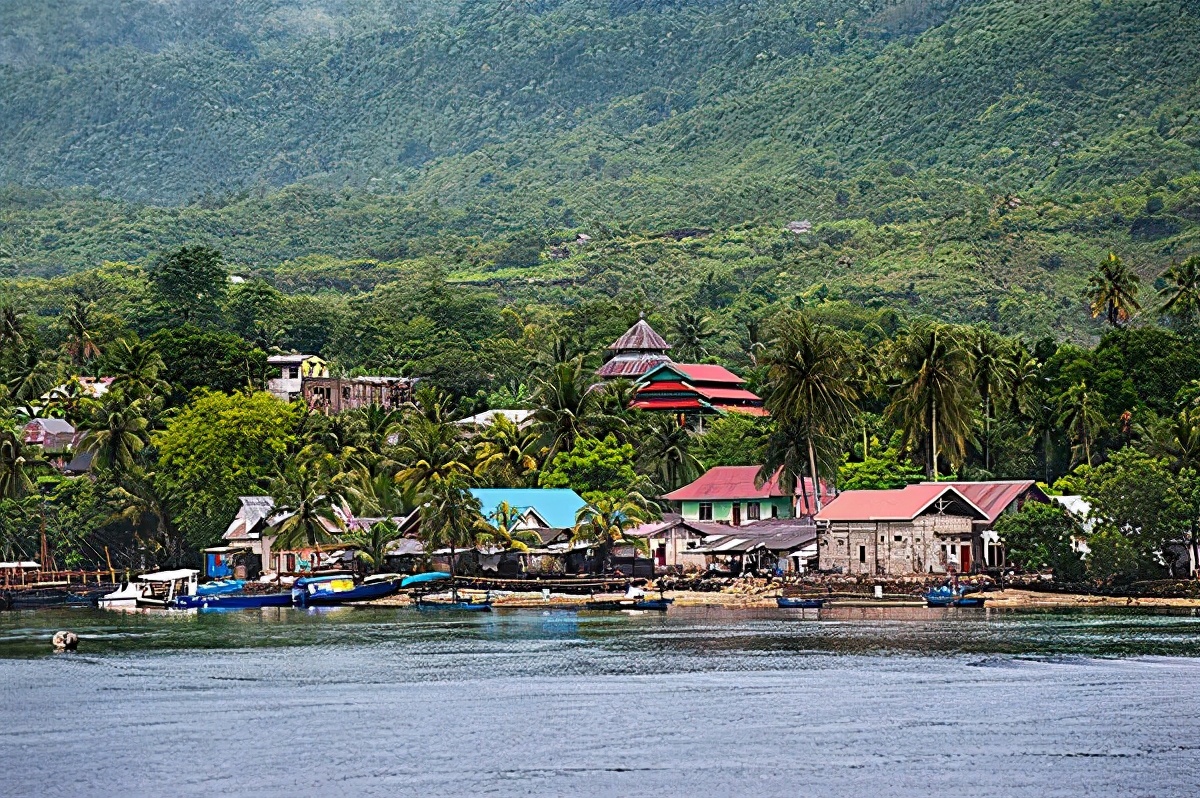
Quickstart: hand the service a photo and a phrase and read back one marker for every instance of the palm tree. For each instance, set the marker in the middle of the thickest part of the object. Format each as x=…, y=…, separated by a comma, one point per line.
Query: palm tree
x=1177, y=438
x=988, y=360
x=1080, y=416
x=431, y=451
x=81, y=341
x=505, y=454
x=1181, y=294
x=811, y=387
x=116, y=432
x=605, y=521
x=18, y=463
x=30, y=377
x=136, y=501
x=305, y=498
x=12, y=328
x=378, y=425
x=691, y=330
x=373, y=541
x=1112, y=291
x=666, y=444
x=933, y=394
x=136, y=367
x=566, y=406
x=499, y=530
x=450, y=518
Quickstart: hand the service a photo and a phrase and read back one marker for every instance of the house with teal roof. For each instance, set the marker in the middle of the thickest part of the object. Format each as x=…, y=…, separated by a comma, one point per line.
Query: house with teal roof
x=538, y=508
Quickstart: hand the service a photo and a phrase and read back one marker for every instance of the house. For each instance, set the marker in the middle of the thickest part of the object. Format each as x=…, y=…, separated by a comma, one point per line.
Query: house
x=293, y=369
x=634, y=353
x=673, y=543
x=336, y=394
x=919, y=529
x=782, y=545
x=995, y=498
x=692, y=390
x=732, y=495
x=54, y=435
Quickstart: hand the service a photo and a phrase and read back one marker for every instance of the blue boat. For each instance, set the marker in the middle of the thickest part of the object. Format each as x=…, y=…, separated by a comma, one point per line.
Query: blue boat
x=220, y=587
x=617, y=605
x=234, y=601
x=334, y=589
x=786, y=603
x=945, y=596
x=419, y=579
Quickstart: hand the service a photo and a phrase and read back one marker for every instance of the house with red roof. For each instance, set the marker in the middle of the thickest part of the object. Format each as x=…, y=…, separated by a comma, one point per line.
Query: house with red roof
x=919, y=529
x=731, y=495
x=996, y=498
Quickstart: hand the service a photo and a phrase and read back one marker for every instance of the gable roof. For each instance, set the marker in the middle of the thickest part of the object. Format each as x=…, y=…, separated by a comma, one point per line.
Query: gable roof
x=737, y=482
x=697, y=373
x=640, y=337
x=557, y=506
x=995, y=496
x=904, y=504
x=56, y=426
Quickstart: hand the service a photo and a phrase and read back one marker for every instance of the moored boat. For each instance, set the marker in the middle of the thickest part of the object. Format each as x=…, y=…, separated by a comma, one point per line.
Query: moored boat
x=334, y=589
x=797, y=603
x=616, y=605
x=125, y=596
x=464, y=605
x=946, y=596
x=220, y=587
x=161, y=588
x=234, y=601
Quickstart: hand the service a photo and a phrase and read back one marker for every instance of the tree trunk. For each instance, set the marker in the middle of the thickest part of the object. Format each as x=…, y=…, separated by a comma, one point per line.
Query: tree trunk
x=987, y=432
x=453, y=585
x=933, y=440
x=812, y=466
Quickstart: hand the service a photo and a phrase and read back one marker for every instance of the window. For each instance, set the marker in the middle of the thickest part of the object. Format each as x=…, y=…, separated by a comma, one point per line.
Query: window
x=345, y=394
x=753, y=511
x=881, y=539
x=774, y=511
x=293, y=372
x=862, y=554
x=899, y=538
x=705, y=511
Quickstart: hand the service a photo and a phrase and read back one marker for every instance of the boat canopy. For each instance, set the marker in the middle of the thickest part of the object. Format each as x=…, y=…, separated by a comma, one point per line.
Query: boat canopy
x=170, y=576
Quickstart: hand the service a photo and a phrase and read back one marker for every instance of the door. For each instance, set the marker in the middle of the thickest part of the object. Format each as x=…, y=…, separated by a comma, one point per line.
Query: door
x=737, y=514
x=964, y=556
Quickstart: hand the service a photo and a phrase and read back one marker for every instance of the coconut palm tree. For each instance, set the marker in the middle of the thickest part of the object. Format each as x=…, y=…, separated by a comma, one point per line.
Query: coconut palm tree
x=12, y=329
x=1181, y=294
x=666, y=445
x=989, y=356
x=136, y=367
x=499, y=530
x=431, y=451
x=18, y=464
x=116, y=432
x=811, y=387
x=377, y=426
x=81, y=334
x=136, y=501
x=933, y=393
x=506, y=455
x=691, y=329
x=1079, y=414
x=450, y=518
x=604, y=522
x=1112, y=291
x=305, y=497
x=566, y=406
x=1176, y=438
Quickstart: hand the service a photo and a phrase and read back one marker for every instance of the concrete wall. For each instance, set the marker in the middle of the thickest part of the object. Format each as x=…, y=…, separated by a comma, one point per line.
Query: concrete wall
x=893, y=548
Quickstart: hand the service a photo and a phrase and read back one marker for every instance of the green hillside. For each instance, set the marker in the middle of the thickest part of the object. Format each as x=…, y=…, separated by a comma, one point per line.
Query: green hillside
x=971, y=158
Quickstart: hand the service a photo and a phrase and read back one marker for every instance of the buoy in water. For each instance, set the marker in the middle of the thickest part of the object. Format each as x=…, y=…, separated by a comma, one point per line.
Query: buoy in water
x=66, y=641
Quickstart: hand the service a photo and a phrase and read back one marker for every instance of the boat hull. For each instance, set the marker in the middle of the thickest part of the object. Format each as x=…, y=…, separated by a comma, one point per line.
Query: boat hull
x=234, y=601
x=799, y=603
x=331, y=598
x=618, y=605
x=461, y=606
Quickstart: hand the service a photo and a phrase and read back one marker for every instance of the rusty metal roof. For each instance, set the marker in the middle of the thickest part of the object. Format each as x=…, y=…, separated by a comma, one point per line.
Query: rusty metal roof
x=631, y=366
x=641, y=337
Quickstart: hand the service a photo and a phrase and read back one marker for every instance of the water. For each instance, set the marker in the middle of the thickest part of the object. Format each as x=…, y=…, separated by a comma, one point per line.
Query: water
x=697, y=703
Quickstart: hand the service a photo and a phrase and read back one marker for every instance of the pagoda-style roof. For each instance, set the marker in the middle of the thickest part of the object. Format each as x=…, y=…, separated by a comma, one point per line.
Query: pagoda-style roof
x=641, y=337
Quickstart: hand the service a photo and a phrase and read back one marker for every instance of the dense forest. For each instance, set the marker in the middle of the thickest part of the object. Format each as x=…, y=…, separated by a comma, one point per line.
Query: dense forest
x=991, y=202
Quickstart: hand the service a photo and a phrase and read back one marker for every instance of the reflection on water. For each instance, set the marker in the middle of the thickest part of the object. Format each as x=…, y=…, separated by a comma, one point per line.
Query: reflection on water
x=699, y=702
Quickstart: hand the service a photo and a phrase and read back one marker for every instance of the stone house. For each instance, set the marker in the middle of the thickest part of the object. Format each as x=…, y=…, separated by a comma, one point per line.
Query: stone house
x=920, y=529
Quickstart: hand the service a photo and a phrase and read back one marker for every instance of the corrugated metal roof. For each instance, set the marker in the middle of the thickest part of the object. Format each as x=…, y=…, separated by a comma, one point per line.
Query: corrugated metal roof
x=631, y=366
x=737, y=482
x=904, y=504
x=994, y=496
x=707, y=372
x=641, y=337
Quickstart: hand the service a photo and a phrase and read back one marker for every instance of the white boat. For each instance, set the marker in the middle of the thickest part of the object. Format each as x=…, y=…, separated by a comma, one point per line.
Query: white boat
x=124, y=597
x=157, y=589
x=160, y=588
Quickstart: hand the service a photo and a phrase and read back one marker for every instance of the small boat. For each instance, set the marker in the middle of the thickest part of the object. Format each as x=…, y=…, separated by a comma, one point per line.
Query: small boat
x=124, y=596
x=162, y=588
x=616, y=605
x=418, y=579
x=220, y=587
x=234, y=601
x=945, y=596
x=797, y=603
x=462, y=605
x=334, y=589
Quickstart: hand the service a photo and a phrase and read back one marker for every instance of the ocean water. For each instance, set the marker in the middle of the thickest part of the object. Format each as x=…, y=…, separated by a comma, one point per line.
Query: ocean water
x=698, y=702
